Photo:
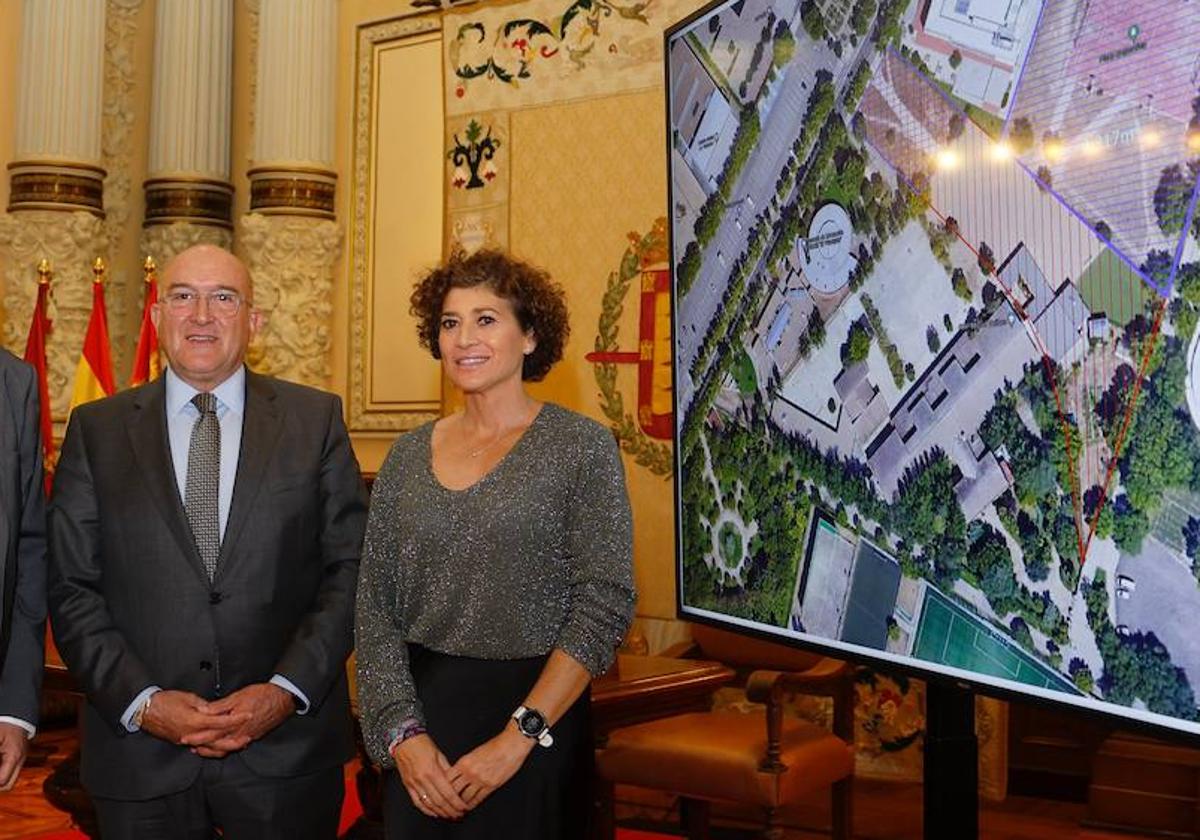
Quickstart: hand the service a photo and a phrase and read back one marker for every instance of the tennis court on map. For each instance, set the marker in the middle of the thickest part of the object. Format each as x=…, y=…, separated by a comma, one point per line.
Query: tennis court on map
x=949, y=635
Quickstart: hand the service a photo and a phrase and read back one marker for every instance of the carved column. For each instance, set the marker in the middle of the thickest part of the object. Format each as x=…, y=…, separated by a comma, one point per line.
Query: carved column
x=290, y=238
x=56, y=204
x=189, y=198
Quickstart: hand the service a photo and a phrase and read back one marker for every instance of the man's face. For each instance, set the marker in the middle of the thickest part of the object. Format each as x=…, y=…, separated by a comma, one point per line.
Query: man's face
x=204, y=344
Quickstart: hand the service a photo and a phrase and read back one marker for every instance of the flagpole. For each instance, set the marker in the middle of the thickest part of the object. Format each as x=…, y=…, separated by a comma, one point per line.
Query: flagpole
x=35, y=355
x=145, y=358
x=94, y=373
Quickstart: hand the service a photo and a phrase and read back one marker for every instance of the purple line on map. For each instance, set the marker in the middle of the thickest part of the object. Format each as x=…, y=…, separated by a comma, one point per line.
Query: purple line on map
x=1103, y=108
x=914, y=155
x=1037, y=30
x=1187, y=226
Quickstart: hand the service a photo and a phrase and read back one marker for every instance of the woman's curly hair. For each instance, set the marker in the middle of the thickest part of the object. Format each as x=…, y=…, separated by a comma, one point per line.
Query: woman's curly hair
x=539, y=303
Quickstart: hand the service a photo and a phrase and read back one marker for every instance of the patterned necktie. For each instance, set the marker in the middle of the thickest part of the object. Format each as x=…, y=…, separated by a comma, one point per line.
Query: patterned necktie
x=203, y=478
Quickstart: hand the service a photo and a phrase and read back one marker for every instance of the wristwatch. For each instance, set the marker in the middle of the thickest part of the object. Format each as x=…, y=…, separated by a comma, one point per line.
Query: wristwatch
x=532, y=724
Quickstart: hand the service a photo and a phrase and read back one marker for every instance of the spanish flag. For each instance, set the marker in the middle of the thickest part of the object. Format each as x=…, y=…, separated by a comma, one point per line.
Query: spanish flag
x=145, y=359
x=94, y=374
x=35, y=354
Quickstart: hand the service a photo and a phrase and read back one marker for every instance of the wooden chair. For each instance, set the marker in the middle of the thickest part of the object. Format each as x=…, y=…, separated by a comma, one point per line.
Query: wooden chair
x=764, y=759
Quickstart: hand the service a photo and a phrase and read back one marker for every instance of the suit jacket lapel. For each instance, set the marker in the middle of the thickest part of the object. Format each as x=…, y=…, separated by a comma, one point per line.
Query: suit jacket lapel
x=147, y=429
x=261, y=425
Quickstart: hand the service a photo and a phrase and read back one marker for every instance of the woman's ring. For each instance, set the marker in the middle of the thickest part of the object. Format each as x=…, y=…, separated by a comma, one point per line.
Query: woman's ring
x=424, y=797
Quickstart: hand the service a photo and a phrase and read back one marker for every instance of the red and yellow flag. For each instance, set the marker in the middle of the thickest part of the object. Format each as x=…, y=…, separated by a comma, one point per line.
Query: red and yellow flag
x=94, y=374
x=146, y=366
x=35, y=354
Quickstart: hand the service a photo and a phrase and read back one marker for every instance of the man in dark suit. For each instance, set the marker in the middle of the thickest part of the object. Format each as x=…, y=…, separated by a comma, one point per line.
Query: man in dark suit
x=22, y=564
x=205, y=531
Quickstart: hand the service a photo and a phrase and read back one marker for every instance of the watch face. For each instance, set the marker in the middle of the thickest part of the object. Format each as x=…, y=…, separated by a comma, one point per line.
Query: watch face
x=532, y=723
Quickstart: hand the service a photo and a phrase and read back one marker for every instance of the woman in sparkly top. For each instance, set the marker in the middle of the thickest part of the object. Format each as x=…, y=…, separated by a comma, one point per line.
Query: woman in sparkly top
x=496, y=576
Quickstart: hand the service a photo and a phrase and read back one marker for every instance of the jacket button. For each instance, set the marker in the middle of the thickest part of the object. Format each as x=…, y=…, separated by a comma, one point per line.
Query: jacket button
x=205, y=665
x=214, y=597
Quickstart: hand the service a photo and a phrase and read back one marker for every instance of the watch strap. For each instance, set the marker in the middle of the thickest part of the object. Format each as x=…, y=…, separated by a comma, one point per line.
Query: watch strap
x=544, y=738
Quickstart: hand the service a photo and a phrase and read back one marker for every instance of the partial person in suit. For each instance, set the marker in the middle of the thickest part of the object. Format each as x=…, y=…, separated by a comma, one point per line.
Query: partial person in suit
x=205, y=532
x=22, y=564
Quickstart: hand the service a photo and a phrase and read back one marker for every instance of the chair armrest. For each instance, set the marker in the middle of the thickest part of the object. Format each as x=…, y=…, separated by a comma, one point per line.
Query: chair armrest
x=826, y=678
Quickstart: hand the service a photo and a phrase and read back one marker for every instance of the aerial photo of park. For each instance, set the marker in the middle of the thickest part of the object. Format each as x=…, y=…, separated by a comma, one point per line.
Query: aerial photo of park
x=937, y=335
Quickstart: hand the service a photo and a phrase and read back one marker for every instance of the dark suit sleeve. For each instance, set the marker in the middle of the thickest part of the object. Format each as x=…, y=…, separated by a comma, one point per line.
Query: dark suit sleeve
x=21, y=680
x=315, y=658
x=96, y=652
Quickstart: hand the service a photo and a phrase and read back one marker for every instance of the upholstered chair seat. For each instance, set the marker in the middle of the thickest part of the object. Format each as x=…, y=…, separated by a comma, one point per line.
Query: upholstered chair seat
x=718, y=756
x=762, y=758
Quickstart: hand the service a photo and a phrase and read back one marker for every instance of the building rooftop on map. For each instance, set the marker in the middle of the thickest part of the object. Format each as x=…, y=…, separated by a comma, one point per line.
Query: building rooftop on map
x=855, y=390
x=1059, y=314
x=977, y=491
x=778, y=324
x=999, y=30
x=1025, y=280
x=1062, y=325
x=691, y=87
x=710, y=145
x=946, y=406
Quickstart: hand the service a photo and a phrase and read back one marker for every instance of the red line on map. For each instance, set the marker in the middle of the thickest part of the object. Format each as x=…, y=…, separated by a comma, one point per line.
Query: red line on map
x=1047, y=362
x=1151, y=341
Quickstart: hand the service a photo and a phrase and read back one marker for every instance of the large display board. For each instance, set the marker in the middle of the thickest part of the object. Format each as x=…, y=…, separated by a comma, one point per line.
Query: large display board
x=937, y=295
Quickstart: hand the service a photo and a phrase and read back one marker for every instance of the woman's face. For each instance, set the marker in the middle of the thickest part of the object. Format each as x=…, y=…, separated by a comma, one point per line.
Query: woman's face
x=480, y=339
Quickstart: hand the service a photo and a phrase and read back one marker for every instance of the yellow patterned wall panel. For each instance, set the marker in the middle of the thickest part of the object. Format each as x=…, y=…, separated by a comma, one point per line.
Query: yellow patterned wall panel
x=585, y=175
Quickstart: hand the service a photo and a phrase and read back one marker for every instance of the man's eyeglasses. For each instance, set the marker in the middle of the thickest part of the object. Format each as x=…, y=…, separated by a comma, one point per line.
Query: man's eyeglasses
x=221, y=303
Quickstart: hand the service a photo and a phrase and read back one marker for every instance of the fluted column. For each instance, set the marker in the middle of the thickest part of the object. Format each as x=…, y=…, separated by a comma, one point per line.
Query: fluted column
x=57, y=150
x=189, y=198
x=56, y=204
x=290, y=238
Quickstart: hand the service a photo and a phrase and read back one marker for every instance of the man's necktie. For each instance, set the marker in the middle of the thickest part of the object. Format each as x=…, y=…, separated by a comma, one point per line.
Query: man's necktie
x=203, y=478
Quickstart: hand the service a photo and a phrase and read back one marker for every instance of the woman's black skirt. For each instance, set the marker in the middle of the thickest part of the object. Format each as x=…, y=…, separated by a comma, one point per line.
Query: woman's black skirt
x=468, y=701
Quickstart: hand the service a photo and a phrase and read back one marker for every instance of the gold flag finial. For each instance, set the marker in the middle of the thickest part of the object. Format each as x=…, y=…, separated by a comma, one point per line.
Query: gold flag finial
x=98, y=268
x=149, y=267
x=44, y=272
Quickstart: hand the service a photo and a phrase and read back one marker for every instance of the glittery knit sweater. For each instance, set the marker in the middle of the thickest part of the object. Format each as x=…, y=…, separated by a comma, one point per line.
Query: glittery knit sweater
x=534, y=556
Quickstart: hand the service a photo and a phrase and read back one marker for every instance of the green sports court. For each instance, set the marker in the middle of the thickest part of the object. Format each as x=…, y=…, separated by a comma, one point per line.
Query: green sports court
x=950, y=635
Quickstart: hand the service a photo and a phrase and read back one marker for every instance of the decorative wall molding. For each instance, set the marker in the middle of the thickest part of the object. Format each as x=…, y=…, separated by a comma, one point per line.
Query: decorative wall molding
x=71, y=241
x=294, y=192
x=254, y=23
x=40, y=185
x=363, y=415
x=165, y=241
x=116, y=141
x=190, y=200
x=292, y=261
